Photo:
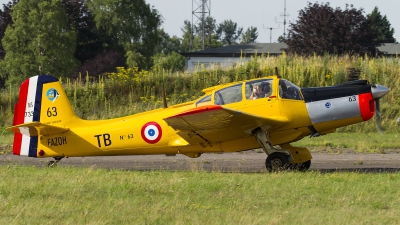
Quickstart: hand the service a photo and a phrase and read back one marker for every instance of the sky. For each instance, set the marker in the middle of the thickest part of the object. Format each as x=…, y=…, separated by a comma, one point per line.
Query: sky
x=262, y=14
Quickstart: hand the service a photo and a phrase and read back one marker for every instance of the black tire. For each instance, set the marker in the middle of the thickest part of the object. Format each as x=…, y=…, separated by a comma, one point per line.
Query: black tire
x=302, y=167
x=305, y=166
x=277, y=162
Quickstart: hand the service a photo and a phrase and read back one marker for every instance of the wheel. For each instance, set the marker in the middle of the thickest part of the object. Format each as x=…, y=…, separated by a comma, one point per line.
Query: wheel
x=301, y=166
x=276, y=162
x=51, y=164
x=305, y=166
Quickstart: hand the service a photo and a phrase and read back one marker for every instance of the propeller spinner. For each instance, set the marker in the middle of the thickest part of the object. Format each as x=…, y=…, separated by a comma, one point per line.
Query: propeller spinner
x=378, y=91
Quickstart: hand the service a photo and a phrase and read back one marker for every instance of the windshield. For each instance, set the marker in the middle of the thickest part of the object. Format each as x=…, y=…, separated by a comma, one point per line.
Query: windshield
x=289, y=91
x=228, y=95
x=204, y=101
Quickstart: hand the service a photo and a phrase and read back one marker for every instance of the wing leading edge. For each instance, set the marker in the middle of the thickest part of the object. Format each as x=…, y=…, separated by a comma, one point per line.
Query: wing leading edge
x=214, y=123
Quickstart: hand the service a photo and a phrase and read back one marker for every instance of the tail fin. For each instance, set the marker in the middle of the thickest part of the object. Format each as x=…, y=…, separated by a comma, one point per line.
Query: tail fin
x=42, y=102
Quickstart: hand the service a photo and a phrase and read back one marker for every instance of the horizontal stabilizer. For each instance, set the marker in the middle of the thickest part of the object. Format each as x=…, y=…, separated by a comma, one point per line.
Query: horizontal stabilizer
x=32, y=129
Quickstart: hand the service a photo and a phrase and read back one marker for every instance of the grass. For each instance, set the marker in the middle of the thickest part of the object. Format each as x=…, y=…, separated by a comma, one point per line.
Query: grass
x=353, y=143
x=30, y=195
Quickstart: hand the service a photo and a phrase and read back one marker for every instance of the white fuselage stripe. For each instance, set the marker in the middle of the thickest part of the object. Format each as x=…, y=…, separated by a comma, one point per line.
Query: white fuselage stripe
x=30, y=99
x=29, y=107
x=25, y=145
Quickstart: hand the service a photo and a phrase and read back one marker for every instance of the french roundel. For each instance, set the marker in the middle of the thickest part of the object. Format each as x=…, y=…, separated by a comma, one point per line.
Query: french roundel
x=151, y=132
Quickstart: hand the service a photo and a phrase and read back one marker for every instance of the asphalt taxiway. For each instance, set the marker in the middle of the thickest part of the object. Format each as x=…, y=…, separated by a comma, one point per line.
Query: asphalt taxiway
x=246, y=162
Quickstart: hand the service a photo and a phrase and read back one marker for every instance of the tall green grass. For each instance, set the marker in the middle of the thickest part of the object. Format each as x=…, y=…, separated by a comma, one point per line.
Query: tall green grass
x=131, y=91
x=63, y=195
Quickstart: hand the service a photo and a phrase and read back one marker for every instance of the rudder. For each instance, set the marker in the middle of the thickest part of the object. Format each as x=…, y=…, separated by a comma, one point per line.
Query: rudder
x=41, y=99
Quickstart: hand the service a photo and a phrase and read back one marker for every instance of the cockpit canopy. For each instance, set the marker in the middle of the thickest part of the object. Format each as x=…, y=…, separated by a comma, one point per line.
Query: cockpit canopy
x=253, y=90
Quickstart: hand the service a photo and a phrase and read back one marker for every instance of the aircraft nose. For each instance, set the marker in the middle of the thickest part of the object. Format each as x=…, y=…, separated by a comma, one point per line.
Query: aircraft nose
x=378, y=91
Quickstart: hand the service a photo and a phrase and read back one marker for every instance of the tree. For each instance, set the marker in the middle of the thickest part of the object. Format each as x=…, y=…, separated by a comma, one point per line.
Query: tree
x=171, y=62
x=210, y=38
x=186, y=45
x=195, y=44
x=321, y=29
x=250, y=36
x=382, y=26
x=103, y=62
x=90, y=40
x=5, y=20
x=39, y=41
x=228, y=32
x=281, y=39
x=167, y=43
x=132, y=25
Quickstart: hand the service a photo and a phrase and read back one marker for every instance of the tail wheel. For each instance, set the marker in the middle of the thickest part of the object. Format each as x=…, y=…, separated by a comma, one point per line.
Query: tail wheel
x=277, y=162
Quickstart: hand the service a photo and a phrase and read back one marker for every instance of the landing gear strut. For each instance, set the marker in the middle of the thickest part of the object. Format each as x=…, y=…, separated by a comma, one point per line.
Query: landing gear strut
x=286, y=157
x=54, y=163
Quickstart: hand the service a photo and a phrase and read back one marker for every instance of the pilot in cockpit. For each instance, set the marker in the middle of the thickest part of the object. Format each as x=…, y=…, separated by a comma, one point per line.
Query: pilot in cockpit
x=262, y=90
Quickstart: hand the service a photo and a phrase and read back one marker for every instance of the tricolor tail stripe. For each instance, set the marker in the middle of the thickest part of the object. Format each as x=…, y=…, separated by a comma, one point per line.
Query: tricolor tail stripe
x=25, y=145
x=27, y=110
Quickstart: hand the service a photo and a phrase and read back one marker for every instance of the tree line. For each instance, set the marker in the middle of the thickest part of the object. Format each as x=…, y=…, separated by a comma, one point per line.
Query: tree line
x=68, y=37
x=321, y=29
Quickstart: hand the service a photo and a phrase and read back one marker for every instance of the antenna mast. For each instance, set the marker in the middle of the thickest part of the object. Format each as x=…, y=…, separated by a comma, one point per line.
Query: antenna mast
x=284, y=19
x=270, y=32
x=199, y=10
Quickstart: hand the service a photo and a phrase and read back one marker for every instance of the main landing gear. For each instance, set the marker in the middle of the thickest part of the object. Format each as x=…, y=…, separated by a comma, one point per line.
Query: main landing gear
x=54, y=163
x=285, y=158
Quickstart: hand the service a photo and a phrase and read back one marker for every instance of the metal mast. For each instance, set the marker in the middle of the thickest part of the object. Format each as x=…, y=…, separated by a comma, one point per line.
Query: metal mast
x=284, y=19
x=270, y=32
x=199, y=10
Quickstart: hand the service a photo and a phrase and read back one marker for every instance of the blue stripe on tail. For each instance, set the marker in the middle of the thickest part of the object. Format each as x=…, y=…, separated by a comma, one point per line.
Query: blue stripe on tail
x=42, y=79
x=33, y=147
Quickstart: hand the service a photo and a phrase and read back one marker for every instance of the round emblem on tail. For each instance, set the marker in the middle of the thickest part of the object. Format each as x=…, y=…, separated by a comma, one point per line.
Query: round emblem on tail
x=52, y=94
x=151, y=132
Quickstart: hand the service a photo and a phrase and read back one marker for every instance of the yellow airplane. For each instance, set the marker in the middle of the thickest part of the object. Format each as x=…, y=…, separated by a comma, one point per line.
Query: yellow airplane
x=265, y=112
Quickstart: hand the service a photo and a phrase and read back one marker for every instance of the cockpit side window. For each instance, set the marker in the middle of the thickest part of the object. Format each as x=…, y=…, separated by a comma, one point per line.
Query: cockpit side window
x=228, y=95
x=206, y=100
x=258, y=89
x=288, y=90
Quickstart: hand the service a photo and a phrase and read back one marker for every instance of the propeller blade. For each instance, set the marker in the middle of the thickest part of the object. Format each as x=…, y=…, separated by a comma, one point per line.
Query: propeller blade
x=378, y=91
x=378, y=116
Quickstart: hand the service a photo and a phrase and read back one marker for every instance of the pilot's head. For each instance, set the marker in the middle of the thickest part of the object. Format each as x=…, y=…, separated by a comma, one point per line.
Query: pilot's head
x=266, y=87
x=257, y=88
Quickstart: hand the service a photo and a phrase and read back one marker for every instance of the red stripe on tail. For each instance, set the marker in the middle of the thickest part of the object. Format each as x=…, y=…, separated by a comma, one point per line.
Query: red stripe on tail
x=19, y=115
x=17, y=144
x=19, y=109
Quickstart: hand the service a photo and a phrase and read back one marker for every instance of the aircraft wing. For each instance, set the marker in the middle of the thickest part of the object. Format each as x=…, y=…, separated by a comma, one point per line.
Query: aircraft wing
x=216, y=123
x=34, y=128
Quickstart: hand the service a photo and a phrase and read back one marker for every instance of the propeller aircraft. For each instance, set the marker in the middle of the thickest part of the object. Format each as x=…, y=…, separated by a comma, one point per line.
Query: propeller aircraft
x=268, y=113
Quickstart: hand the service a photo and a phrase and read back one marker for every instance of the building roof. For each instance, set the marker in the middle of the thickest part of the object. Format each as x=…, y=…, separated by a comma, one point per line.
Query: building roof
x=239, y=50
x=389, y=49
